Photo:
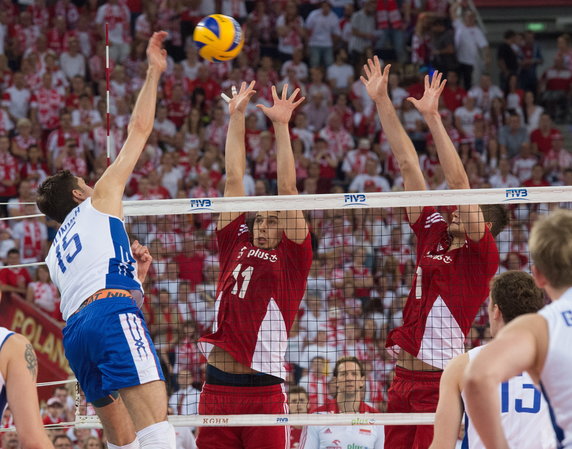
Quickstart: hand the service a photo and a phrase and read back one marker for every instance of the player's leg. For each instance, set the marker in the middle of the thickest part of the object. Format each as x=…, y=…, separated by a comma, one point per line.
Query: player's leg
x=147, y=405
x=398, y=401
x=82, y=353
x=126, y=357
x=117, y=423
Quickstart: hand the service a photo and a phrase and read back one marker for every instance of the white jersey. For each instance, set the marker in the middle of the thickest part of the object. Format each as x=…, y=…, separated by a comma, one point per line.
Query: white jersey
x=524, y=414
x=4, y=334
x=555, y=378
x=343, y=437
x=90, y=252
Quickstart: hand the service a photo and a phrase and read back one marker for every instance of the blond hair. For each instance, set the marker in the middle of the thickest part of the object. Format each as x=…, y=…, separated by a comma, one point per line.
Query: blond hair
x=551, y=247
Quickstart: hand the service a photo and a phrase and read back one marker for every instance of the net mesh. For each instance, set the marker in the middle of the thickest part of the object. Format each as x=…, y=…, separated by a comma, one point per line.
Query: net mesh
x=362, y=271
x=363, y=268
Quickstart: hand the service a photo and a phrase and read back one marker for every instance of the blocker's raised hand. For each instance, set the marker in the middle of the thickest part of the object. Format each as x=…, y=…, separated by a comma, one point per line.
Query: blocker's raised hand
x=281, y=111
x=429, y=103
x=240, y=99
x=375, y=80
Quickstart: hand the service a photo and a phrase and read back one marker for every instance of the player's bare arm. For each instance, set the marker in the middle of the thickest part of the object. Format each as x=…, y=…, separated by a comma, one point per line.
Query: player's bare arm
x=375, y=81
x=453, y=169
x=450, y=407
x=520, y=346
x=235, y=149
x=280, y=114
x=109, y=189
x=21, y=373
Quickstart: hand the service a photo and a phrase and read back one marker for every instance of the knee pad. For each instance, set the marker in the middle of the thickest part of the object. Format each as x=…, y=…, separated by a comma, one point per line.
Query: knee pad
x=160, y=435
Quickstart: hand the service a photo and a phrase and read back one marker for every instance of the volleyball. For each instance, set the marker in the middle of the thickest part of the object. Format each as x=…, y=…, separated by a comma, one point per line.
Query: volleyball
x=218, y=38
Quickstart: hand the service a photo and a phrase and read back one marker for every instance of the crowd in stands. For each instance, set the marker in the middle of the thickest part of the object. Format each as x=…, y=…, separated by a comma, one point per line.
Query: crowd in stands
x=53, y=117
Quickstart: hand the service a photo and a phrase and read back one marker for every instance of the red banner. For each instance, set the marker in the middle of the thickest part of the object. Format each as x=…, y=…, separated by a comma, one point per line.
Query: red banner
x=45, y=335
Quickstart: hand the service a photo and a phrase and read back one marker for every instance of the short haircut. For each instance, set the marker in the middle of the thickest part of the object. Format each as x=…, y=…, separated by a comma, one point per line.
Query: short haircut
x=55, y=197
x=515, y=293
x=298, y=390
x=550, y=247
x=342, y=360
x=59, y=437
x=497, y=215
x=13, y=251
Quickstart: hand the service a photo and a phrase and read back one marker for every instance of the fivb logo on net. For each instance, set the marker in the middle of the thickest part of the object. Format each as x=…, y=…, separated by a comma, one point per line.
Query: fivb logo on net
x=516, y=194
x=355, y=199
x=201, y=204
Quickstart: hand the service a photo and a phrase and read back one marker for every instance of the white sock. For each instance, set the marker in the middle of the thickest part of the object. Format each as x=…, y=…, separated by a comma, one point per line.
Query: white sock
x=160, y=435
x=133, y=445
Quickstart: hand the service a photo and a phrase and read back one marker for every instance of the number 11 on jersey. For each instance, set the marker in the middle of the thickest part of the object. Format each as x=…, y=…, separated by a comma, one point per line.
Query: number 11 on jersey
x=244, y=275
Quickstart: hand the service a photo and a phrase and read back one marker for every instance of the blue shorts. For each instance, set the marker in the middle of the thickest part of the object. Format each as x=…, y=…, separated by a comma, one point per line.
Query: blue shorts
x=109, y=347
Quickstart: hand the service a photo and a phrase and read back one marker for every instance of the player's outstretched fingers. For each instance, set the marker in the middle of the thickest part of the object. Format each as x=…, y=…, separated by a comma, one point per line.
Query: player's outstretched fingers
x=386, y=70
x=284, y=91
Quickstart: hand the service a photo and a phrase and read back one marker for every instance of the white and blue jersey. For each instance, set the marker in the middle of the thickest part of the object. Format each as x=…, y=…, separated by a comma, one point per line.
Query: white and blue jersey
x=90, y=252
x=524, y=414
x=556, y=377
x=107, y=343
x=4, y=334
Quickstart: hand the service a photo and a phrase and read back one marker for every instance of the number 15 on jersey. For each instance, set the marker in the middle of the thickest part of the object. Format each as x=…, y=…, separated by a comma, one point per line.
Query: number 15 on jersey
x=67, y=250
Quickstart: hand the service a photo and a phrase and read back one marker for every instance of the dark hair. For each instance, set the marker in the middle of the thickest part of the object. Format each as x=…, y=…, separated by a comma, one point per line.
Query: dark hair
x=496, y=214
x=58, y=437
x=55, y=198
x=297, y=390
x=342, y=360
x=515, y=293
x=13, y=251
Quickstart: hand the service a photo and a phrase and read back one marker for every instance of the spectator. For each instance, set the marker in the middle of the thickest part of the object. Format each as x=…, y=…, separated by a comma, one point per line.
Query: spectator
x=472, y=47
x=453, y=94
x=531, y=59
x=46, y=105
x=555, y=87
x=54, y=416
x=524, y=162
x=512, y=136
x=117, y=15
x=317, y=112
x=531, y=112
x=32, y=235
x=363, y=28
x=466, y=115
x=298, y=402
x=9, y=173
x=442, y=46
x=537, y=178
x=485, y=92
x=16, y=98
x=291, y=32
x=323, y=29
x=542, y=138
x=340, y=75
x=392, y=27
x=62, y=442
x=72, y=61
x=507, y=58
x=504, y=178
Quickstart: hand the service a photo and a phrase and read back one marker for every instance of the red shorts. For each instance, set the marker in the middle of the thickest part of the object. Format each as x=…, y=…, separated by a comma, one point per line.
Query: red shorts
x=412, y=392
x=226, y=400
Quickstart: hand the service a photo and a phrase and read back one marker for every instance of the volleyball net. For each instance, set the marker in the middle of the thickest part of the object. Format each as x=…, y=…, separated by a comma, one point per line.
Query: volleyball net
x=362, y=271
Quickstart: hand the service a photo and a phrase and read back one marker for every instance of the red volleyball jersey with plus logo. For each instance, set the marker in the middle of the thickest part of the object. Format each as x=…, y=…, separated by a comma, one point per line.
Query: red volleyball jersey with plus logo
x=258, y=296
x=446, y=294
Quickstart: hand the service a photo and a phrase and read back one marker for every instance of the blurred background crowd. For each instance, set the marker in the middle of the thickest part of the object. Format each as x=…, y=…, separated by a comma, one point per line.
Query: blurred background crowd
x=506, y=108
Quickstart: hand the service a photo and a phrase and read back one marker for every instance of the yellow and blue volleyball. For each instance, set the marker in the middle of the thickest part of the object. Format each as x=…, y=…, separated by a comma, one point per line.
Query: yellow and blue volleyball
x=218, y=38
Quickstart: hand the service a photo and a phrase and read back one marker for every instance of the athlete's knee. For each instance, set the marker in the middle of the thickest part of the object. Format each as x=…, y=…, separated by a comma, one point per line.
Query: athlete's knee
x=160, y=435
x=133, y=445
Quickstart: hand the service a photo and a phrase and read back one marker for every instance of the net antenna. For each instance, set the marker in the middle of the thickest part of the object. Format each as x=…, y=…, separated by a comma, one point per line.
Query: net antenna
x=108, y=114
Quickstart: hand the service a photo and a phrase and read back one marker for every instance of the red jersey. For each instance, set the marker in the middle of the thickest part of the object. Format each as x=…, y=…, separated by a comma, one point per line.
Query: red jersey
x=544, y=143
x=258, y=296
x=295, y=434
x=447, y=291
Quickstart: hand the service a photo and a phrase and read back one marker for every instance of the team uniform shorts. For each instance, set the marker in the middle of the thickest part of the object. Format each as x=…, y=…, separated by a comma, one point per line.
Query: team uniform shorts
x=229, y=400
x=109, y=347
x=412, y=392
